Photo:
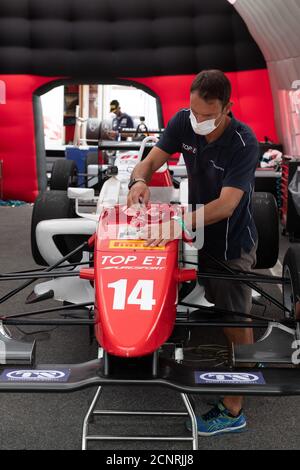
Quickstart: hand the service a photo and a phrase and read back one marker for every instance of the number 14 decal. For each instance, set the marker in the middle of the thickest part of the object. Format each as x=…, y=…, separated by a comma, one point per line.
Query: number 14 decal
x=142, y=294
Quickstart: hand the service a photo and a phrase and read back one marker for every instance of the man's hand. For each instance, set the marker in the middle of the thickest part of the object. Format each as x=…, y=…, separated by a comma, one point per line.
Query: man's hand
x=161, y=234
x=139, y=193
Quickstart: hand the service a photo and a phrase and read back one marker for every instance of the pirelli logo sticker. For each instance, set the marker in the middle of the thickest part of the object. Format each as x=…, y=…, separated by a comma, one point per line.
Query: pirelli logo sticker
x=133, y=245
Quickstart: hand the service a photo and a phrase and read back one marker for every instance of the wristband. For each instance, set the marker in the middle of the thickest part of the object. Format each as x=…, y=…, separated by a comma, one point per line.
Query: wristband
x=181, y=223
x=136, y=180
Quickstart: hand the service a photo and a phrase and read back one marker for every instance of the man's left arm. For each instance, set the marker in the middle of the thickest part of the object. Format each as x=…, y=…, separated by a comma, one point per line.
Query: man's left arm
x=217, y=210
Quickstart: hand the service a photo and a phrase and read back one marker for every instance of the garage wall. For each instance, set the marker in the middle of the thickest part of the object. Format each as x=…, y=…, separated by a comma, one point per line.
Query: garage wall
x=21, y=138
x=251, y=95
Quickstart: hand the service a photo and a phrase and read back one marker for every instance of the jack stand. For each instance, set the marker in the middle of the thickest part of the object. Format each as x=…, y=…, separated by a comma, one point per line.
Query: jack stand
x=86, y=438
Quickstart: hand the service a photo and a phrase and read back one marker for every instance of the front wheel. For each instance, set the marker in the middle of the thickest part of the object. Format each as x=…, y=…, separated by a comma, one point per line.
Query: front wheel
x=54, y=205
x=266, y=219
x=64, y=174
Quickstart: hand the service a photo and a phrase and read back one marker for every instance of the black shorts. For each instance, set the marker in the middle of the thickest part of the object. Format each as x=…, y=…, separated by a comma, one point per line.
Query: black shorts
x=233, y=296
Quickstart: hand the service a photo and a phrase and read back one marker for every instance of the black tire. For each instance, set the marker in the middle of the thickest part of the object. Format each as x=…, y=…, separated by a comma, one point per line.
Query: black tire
x=291, y=291
x=54, y=205
x=93, y=130
x=265, y=213
x=92, y=159
x=64, y=174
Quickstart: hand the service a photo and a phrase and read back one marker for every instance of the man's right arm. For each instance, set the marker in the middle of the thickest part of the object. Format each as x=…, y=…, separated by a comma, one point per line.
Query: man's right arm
x=169, y=143
x=144, y=170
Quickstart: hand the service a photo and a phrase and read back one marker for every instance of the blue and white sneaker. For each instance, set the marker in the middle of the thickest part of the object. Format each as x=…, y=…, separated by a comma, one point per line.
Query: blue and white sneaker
x=218, y=421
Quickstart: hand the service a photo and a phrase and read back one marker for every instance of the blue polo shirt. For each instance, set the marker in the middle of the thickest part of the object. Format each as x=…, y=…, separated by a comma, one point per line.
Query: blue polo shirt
x=124, y=121
x=230, y=161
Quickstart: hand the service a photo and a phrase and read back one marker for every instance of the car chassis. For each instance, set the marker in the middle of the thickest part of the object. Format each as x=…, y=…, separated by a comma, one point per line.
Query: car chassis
x=164, y=366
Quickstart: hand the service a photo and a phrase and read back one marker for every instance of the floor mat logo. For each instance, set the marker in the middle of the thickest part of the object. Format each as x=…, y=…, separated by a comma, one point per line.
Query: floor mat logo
x=35, y=375
x=229, y=378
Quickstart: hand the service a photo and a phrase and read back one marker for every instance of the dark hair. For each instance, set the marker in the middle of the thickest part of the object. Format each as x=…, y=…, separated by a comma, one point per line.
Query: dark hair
x=114, y=103
x=212, y=85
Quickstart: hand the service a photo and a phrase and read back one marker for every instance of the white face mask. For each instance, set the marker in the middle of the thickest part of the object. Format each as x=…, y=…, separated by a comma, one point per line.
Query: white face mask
x=205, y=127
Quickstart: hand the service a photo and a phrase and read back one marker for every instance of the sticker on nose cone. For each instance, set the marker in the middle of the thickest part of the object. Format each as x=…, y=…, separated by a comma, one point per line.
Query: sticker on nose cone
x=13, y=375
x=234, y=378
x=133, y=244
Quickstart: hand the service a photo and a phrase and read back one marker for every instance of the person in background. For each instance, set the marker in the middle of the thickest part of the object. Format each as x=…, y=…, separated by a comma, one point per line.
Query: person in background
x=121, y=121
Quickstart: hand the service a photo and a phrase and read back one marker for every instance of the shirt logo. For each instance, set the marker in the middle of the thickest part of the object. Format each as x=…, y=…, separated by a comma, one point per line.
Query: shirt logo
x=189, y=149
x=216, y=166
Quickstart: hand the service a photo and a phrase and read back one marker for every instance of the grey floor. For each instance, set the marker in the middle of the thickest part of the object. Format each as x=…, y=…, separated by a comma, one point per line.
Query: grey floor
x=53, y=421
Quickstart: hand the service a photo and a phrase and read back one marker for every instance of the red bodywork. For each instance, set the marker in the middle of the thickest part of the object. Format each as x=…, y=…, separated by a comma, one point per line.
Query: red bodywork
x=161, y=179
x=135, y=290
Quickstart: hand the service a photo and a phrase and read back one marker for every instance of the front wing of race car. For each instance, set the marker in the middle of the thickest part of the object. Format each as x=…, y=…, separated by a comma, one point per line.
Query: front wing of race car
x=179, y=377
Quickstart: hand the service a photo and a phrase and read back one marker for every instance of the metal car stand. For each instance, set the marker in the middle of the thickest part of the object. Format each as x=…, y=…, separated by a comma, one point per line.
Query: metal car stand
x=94, y=412
x=274, y=348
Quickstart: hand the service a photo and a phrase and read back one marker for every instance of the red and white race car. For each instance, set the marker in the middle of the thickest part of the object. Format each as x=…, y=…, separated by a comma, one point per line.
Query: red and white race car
x=143, y=302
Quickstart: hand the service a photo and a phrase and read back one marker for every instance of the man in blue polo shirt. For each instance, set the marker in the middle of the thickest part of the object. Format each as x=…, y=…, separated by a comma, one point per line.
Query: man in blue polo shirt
x=221, y=156
x=121, y=121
